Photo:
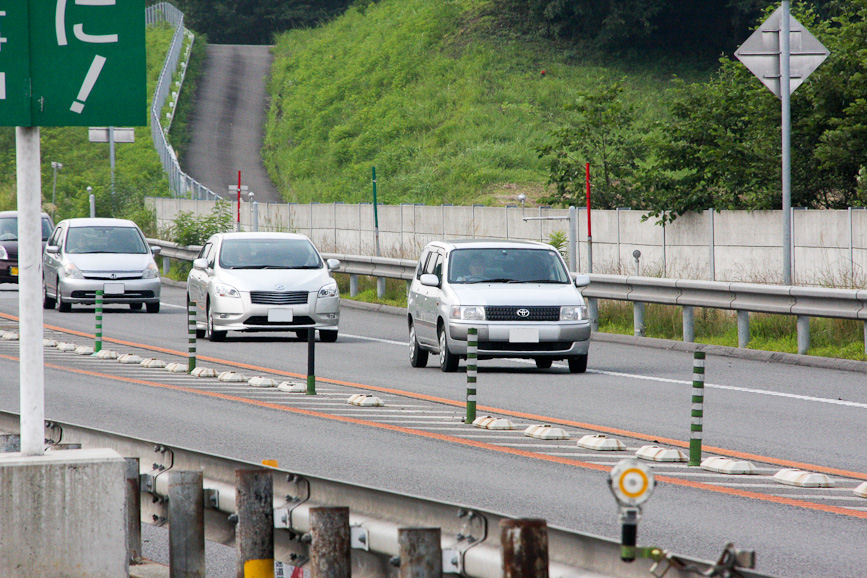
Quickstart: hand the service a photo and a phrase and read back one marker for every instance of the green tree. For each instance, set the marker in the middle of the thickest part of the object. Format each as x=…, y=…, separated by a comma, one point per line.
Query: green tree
x=603, y=133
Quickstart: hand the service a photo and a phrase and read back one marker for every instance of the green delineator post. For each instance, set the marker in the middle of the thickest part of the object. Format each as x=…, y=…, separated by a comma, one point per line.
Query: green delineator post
x=472, y=367
x=191, y=336
x=697, y=408
x=311, y=361
x=97, y=342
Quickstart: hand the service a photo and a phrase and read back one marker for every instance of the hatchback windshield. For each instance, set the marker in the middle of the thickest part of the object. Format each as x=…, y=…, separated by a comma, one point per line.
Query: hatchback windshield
x=506, y=266
x=105, y=240
x=269, y=254
x=9, y=229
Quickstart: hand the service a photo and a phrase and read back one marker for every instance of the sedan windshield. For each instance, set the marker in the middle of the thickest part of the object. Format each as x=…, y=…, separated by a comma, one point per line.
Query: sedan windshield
x=506, y=266
x=105, y=240
x=269, y=254
x=9, y=229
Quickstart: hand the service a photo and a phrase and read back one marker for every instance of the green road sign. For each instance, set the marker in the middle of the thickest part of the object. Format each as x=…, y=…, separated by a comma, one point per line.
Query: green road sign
x=72, y=63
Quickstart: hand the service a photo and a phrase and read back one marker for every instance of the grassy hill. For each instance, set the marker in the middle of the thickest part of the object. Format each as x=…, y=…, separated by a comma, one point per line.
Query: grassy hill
x=441, y=97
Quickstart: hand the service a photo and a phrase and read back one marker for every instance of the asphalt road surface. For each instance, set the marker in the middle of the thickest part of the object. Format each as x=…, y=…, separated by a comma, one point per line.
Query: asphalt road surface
x=776, y=413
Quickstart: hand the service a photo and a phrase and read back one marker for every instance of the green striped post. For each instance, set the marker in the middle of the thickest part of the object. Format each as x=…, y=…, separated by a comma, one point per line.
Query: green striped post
x=472, y=366
x=697, y=408
x=311, y=361
x=191, y=335
x=97, y=342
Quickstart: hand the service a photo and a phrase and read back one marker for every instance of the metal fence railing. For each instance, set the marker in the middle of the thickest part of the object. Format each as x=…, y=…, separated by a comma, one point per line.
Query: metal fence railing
x=181, y=184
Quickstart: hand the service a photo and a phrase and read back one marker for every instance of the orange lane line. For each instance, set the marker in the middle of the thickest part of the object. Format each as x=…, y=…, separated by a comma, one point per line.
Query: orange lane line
x=464, y=442
x=511, y=413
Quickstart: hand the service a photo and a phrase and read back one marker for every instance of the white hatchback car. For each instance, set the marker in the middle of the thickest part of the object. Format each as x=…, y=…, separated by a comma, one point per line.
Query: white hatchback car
x=518, y=294
x=263, y=281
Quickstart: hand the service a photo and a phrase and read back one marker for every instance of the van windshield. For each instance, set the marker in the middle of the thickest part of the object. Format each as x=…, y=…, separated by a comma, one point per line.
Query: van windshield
x=492, y=265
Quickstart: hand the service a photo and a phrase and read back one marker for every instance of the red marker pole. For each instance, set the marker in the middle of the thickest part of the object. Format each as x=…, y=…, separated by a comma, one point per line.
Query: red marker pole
x=238, y=221
x=589, y=231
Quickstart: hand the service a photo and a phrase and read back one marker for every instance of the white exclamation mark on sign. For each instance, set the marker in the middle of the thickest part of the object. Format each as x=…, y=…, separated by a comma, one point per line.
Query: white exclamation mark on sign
x=2, y=86
x=87, y=85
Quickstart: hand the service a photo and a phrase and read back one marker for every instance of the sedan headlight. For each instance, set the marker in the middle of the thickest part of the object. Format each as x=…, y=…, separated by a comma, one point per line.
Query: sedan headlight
x=71, y=271
x=3, y=254
x=468, y=312
x=150, y=272
x=223, y=290
x=573, y=313
x=329, y=290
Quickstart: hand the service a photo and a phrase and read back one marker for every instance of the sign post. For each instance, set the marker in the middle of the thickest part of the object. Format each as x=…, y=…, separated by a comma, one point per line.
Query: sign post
x=782, y=54
x=80, y=64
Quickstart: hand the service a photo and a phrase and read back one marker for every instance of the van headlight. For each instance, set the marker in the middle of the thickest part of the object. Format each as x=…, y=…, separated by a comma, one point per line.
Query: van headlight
x=3, y=254
x=329, y=290
x=223, y=290
x=468, y=312
x=573, y=312
x=150, y=272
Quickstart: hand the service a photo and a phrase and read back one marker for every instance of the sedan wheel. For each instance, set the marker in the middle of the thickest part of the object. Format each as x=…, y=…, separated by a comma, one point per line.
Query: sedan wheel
x=543, y=362
x=327, y=335
x=417, y=355
x=62, y=305
x=47, y=302
x=153, y=307
x=211, y=333
x=135, y=306
x=448, y=360
x=578, y=363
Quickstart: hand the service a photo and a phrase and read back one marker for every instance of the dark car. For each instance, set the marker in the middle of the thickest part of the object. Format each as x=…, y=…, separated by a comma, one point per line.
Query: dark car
x=9, y=243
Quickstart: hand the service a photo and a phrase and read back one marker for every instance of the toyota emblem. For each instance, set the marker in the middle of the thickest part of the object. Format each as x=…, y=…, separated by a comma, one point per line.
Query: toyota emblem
x=523, y=312
x=114, y=275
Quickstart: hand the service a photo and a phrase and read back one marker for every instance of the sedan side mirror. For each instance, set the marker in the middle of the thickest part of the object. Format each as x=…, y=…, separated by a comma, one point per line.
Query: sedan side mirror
x=582, y=280
x=200, y=264
x=155, y=249
x=333, y=264
x=430, y=280
x=53, y=249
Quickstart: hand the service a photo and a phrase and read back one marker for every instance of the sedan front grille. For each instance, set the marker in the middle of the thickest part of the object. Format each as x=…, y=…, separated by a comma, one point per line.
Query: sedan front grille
x=111, y=276
x=507, y=346
x=519, y=313
x=278, y=297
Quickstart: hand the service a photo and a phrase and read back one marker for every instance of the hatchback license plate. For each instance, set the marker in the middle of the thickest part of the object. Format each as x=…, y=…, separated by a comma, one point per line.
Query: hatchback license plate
x=280, y=315
x=113, y=288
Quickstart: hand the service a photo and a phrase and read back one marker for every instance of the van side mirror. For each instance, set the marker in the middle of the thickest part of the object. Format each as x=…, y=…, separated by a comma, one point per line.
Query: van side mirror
x=200, y=264
x=582, y=280
x=53, y=249
x=155, y=249
x=333, y=264
x=430, y=280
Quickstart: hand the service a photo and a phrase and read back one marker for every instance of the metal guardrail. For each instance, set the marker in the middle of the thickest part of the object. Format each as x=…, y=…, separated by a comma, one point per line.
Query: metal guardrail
x=181, y=184
x=470, y=538
x=744, y=298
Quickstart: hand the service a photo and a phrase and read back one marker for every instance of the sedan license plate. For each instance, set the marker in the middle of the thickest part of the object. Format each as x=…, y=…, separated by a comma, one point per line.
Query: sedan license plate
x=523, y=335
x=280, y=315
x=113, y=288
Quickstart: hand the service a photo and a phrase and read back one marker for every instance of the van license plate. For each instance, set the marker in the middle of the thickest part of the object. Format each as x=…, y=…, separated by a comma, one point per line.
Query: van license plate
x=280, y=315
x=523, y=335
x=113, y=288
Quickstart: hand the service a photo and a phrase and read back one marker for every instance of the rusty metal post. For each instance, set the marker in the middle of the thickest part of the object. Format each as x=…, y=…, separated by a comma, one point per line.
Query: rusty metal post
x=525, y=548
x=186, y=525
x=330, y=555
x=254, y=534
x=421, y=554
x=133, y=511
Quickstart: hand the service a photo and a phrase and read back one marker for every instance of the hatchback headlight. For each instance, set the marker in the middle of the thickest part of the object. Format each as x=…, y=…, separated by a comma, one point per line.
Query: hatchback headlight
x=468, y=312
x=71, y=271
x=150, y=272
x=223, y=290
x=329, y=290
x=573, y=313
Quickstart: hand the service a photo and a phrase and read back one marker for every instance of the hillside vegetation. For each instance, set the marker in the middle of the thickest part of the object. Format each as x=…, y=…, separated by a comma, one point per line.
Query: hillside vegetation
x=442, y=98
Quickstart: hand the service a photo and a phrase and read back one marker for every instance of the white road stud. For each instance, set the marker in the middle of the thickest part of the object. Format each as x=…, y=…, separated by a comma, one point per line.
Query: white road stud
x=861, y=490
x=231, y=376
x=546, y=432
x=660, y=454
x=293, y=387
x=601, y=442
x=84, y=350
x=259, y=381
x=723, y=465
x=365, y=400
x=106, y=354
x=9, y=336
x=204, y=372
x=129, y=358
x=175, y=367
x=49, y=343
x=488, y=422
x=153, y=362
x=66, y=346
x=802, y=479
